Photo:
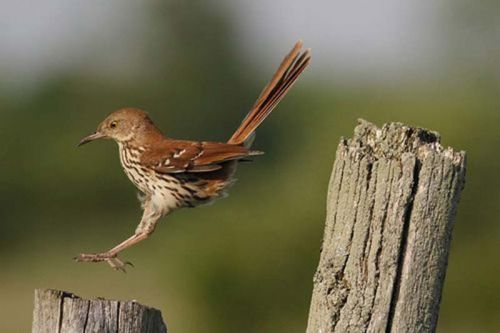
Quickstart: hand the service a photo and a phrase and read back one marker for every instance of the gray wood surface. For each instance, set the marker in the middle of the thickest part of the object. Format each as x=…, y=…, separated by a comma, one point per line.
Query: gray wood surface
x=62, y=312
x=391, y=204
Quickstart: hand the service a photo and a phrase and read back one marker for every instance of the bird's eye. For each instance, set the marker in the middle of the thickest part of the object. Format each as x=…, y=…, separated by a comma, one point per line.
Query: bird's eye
x=113, y=124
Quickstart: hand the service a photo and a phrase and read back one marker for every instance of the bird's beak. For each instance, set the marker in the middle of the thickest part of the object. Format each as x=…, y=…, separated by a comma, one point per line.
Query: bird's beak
x=91, y=137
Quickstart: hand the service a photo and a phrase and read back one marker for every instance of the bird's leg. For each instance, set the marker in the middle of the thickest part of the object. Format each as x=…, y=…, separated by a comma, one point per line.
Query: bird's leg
x=145, y=228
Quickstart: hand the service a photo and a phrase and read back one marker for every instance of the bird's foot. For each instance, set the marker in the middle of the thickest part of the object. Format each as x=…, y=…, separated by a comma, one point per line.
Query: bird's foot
x=111, y=259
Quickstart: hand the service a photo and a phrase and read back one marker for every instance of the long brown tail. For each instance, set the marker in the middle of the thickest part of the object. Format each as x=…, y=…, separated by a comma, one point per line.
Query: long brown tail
x=288, y=72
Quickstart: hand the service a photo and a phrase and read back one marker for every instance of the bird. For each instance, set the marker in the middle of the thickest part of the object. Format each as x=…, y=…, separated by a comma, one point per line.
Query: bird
x=171, y=173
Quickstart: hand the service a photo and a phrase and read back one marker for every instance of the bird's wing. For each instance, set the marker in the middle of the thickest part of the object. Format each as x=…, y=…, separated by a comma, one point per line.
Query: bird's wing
x=175, y=156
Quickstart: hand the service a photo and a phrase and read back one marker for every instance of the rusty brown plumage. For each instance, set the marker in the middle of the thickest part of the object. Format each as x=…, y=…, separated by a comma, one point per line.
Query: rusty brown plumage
x=288, y=72
x=173, y=173
x=174, y=156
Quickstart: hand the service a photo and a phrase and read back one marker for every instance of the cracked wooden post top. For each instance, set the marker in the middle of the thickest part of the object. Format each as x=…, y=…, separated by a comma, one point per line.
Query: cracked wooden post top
x=391, y=205
x=62, y=312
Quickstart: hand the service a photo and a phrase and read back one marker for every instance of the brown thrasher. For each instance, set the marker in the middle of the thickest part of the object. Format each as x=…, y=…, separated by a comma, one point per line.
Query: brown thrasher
x=171, y=173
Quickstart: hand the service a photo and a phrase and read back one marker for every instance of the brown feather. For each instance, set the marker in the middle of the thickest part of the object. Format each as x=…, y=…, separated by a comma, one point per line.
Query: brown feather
x=288, y=72
x=174, y=156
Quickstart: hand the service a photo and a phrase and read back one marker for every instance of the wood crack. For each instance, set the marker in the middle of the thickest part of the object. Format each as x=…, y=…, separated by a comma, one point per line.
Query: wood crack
x=61, y=309
x=87, y=313
x=403, y=245
x=118, y=316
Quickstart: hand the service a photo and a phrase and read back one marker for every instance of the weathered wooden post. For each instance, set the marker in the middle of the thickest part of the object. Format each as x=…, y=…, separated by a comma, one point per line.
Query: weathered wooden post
x=61, y=312
x=391, y=205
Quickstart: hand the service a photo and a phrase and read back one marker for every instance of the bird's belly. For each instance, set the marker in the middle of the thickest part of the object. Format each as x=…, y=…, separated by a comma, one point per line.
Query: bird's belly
x=167, y=193
x=184, y=190
x=138, y=177
x=171, y=191
x=165, y=202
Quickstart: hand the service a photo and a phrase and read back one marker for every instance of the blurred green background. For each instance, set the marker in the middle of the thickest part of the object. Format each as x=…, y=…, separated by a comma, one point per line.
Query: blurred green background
x=244, y=264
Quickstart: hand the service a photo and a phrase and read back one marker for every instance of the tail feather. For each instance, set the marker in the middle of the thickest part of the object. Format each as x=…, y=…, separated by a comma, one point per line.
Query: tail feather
x=283, y=88
x=288, y=72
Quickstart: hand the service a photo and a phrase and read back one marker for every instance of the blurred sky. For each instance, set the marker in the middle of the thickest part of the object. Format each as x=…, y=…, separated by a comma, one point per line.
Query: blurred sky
x=351, y=40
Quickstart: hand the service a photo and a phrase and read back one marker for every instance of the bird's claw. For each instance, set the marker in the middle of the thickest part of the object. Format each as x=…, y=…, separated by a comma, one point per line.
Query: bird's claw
x=112, y=259
x=118, y=264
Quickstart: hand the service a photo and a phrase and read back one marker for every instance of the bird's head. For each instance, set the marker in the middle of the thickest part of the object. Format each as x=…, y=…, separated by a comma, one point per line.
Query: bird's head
x=122, y=125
